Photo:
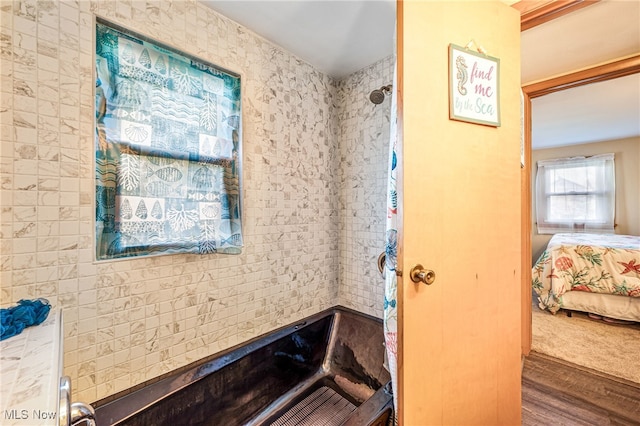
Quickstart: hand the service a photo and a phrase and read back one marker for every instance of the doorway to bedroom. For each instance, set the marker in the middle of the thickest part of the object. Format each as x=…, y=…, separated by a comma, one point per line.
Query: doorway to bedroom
x=589, y=341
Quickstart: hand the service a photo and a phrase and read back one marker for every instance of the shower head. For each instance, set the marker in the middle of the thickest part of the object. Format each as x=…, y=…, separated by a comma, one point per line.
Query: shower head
x=377, y=95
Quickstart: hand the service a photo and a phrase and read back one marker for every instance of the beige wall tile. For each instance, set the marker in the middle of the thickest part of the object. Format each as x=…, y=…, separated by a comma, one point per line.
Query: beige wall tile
x=314, y=151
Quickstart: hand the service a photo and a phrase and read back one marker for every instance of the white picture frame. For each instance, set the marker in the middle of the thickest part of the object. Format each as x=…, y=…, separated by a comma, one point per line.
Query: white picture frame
x=474, y=87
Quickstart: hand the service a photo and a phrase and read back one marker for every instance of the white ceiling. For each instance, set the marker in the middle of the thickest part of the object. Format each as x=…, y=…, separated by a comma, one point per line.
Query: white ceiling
x=607, y=30
x=339, y=37
x=604, y=31
x=596, y=112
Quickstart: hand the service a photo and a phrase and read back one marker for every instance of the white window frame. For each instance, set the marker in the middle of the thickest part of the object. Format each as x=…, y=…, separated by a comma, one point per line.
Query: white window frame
x=603, y=189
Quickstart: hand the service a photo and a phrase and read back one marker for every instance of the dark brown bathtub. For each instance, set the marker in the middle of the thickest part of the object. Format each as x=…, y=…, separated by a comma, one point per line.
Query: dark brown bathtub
x=326, y=369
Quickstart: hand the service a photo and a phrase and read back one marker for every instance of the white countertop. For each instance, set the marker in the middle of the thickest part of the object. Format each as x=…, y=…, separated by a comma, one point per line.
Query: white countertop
x=30, y=371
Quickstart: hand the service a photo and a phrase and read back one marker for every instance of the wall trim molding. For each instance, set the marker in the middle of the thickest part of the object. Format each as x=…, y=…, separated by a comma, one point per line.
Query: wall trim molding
x=534, y=13
x=607, y=71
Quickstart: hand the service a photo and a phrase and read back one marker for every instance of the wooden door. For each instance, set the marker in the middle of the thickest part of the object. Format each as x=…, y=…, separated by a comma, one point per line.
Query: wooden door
x=459, y=337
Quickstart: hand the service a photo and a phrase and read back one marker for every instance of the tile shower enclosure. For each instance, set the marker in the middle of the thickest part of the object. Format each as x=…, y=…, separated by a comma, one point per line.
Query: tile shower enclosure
x=314, y=182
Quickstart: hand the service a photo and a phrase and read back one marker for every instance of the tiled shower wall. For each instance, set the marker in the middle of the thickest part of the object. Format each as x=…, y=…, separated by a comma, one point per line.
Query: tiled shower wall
x=128, y=321
x=364, y=157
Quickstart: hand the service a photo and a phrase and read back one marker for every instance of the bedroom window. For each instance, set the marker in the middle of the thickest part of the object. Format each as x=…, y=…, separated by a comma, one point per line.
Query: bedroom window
x=576, y=194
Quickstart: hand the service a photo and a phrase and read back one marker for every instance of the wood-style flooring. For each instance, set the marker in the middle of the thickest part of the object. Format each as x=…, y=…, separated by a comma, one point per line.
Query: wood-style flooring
x=556, y=392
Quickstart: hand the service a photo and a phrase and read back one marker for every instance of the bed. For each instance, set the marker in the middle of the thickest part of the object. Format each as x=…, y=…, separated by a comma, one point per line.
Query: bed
x=595, y=273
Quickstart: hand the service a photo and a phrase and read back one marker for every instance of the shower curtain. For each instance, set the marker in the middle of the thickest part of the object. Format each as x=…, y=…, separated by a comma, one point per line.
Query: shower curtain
x=391, y=249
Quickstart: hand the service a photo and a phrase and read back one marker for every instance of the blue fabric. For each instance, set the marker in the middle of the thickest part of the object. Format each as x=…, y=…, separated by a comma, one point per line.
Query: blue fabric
x=167, y=151
x=27, y=313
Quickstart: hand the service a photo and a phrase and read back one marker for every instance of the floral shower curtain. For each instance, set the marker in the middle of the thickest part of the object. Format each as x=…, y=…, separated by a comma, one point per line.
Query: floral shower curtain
x=391, y=249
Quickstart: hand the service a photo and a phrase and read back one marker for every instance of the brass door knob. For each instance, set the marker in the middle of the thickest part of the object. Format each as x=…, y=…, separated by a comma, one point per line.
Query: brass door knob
x=420, y=275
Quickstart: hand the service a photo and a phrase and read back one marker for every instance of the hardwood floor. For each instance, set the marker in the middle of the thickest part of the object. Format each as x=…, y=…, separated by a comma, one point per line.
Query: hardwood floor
x=556, y=392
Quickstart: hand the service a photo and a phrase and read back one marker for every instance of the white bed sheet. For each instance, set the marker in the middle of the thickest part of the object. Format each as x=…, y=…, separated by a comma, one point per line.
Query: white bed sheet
x=608, y=305
x=590, y=273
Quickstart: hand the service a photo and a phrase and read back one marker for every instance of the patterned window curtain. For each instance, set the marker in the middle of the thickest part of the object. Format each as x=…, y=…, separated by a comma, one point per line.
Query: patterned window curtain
x=391, y=250
x=167, y=151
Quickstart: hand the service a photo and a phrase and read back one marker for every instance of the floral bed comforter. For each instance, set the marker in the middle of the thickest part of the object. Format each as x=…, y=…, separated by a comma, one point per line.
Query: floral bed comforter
x=597, y=263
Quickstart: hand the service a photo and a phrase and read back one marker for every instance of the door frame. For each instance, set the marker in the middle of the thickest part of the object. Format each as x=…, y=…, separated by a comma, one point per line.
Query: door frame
x=536, y=12
x=607, y=71
x=532, y=14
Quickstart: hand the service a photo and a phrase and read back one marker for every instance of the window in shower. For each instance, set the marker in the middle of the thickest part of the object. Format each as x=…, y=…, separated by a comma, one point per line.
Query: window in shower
x=167, y=144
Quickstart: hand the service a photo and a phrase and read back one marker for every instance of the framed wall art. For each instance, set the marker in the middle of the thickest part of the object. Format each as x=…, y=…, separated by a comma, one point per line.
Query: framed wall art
x=474, y=83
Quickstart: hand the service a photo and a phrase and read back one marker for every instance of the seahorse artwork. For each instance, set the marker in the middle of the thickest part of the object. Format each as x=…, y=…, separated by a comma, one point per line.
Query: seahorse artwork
x=462, y=75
